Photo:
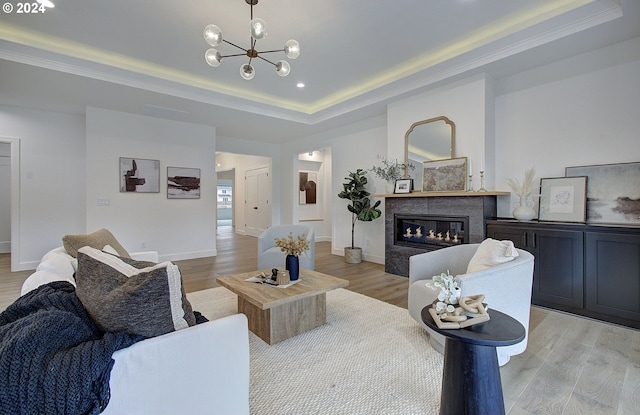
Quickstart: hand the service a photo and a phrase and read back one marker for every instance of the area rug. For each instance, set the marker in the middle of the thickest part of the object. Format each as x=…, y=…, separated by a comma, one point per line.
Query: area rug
x=370, y=358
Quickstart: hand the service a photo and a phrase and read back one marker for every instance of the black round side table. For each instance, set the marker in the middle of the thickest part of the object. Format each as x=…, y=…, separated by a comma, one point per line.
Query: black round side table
x=471, y=375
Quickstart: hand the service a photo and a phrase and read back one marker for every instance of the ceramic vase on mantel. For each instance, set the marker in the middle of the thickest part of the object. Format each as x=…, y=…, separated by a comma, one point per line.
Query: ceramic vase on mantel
x=524, y=209
x=292, y=264
x=390, y=186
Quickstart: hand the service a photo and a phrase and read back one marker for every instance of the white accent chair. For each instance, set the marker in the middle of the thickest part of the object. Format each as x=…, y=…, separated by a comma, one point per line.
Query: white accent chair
x=507, y=288
x=270, y=256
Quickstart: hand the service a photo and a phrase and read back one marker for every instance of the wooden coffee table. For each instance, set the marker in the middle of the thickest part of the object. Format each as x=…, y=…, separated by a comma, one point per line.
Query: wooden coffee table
x=276, y=313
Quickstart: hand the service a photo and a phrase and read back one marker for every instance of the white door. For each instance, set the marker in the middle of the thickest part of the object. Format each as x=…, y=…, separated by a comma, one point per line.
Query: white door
x=5, y=200
x=257, y=209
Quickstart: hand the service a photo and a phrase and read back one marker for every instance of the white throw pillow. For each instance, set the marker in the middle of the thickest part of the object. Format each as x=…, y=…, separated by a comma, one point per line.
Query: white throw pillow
x=491, y=253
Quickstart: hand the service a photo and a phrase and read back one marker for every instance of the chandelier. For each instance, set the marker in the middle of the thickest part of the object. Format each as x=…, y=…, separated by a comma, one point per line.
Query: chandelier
x=257, y=28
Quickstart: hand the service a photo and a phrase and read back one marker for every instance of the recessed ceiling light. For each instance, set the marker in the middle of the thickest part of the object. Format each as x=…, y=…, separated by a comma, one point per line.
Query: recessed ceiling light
x=300, y=84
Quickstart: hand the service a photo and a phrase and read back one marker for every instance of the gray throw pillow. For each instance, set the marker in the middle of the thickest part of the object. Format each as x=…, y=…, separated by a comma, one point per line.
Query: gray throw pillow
x=98, y=239
x=135, y=297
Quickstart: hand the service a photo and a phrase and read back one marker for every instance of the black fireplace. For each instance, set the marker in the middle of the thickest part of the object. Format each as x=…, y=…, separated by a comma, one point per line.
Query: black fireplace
x=469, y=208
x=430, y=232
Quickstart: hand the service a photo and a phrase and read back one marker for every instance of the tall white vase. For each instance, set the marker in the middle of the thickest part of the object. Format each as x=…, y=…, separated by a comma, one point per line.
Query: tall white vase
x=390, y=186
x=524, y=209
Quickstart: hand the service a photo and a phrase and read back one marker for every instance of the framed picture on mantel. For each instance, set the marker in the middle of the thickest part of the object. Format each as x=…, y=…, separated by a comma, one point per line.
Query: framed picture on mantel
x=403, y=186
x=444, y=175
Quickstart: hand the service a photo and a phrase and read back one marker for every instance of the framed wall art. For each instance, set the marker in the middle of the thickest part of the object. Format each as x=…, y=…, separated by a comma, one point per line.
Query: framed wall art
x=308, y=187
x=403, y=186
x=139, y=175
x=563, y=199
x=183, y=183
x=444, y=175
x=613, y=192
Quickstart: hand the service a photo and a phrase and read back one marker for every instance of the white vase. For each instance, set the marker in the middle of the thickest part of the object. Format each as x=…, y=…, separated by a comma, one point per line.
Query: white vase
x=524, y=209
x=390, y=186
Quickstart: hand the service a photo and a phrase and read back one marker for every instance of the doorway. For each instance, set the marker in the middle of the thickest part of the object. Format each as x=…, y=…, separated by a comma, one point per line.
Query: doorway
x=5, y=202
x=225, y=199
x=13, y=213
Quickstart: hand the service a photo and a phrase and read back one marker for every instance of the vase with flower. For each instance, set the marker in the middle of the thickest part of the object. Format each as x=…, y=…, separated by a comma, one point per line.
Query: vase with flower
x=524, y=210
x=293, y=247
x=448, y=296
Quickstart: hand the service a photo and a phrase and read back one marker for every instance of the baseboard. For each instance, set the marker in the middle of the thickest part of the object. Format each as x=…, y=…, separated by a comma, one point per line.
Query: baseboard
x=323, y=239
x=377, y=259
x=26, y=266
x=5, y=247
x=188, y=255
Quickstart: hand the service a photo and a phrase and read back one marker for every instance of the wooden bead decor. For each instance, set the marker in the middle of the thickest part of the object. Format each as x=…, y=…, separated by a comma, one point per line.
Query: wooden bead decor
x=470, y=311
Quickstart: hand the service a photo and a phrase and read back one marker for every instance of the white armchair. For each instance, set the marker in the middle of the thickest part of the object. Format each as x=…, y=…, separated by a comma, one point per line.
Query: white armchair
x=270, y=256
x=507, y=288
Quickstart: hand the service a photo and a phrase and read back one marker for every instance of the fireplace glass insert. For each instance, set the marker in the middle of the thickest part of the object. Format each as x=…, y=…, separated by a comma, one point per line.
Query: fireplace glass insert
x=430, y=231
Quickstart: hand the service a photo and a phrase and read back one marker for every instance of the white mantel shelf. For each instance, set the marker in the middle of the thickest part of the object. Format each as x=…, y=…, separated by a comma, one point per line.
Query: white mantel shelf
x=445, y=194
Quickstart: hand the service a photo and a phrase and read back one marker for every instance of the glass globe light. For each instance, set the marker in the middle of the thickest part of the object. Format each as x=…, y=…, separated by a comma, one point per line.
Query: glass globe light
x=213, y=35
x=258, y=28
x=283, y=68
x=247, y=72
x=213, y=57
x=292, y=49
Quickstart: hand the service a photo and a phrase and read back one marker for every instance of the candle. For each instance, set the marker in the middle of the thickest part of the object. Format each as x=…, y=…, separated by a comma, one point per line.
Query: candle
x=470, y=168
x=482, y=164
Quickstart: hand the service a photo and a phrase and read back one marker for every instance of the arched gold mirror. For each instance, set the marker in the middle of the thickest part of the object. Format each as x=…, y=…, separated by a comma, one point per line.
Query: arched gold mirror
x=432, y=139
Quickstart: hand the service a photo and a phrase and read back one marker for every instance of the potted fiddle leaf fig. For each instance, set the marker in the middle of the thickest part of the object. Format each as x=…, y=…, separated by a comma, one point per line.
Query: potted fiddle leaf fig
x=354, y=190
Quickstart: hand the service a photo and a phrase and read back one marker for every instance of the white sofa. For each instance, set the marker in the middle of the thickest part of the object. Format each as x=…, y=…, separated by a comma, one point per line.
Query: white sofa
x=270, y=256
x=202, y=369
x=507, y=288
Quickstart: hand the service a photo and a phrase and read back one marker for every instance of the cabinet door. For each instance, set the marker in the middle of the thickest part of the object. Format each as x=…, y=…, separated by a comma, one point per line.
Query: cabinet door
x=613, y=274
x=558, y=277
x=517, y=235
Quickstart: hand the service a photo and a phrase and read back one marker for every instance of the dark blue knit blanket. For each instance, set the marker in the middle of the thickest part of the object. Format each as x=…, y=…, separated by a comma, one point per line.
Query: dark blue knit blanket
x=53, y=357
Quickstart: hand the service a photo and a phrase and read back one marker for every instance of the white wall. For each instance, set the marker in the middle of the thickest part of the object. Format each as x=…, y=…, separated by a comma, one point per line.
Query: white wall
x=579, y=111
x=176, y=228
x=551, y=118
x=353, y=151
x=464, y=103
x=350, y=147
x=5, y=199
x=52, y=178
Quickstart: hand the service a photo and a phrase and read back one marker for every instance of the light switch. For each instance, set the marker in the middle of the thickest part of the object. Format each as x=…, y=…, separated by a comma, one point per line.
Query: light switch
x=104, y=202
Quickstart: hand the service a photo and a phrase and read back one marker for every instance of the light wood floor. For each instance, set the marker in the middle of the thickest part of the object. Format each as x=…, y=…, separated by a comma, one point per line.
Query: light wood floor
x=572, y=365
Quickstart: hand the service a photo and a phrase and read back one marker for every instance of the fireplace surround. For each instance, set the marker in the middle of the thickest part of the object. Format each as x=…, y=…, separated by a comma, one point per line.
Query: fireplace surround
x=470, y=208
